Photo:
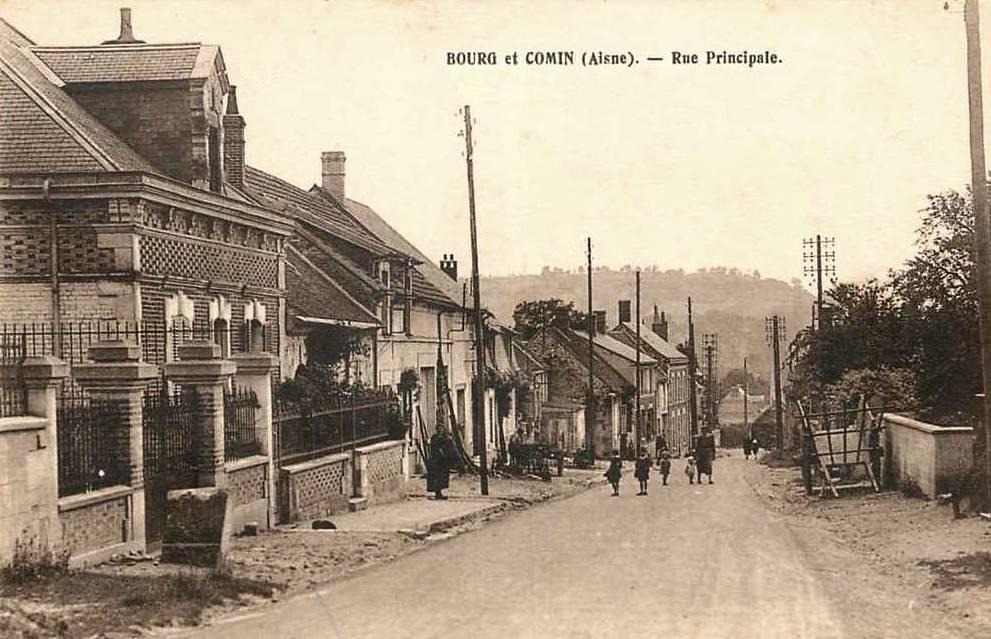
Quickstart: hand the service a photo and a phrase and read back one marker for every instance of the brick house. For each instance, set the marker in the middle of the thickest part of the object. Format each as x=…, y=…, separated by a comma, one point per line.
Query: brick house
x=674, y=399
x=121, y=192
x=564, y=354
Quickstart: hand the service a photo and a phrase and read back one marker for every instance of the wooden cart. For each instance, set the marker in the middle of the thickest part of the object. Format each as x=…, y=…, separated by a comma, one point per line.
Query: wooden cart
x=837, y=445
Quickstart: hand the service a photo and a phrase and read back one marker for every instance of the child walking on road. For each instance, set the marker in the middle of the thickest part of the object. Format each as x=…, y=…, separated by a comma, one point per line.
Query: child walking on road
x=615, y=472
x=665, y=467
x=690, y=469
x=643, y=470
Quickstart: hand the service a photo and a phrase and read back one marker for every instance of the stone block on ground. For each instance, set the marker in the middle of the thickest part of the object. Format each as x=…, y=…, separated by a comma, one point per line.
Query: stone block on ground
x=197, y=527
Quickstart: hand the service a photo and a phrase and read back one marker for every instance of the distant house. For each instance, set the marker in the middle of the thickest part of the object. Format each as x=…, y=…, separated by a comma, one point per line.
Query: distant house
x=674, y=398
x=731, y=406
x=564, y=354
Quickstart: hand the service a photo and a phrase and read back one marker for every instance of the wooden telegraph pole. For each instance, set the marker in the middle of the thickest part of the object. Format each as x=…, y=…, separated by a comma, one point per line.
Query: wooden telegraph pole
x=479, y=394
x=982, y=225
x=590, y=402
x=746, y=397
x=638, y=425
x=774, y=327
x=692, y=364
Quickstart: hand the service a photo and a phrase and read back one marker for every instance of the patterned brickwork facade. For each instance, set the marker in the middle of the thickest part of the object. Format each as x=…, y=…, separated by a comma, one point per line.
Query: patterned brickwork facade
x=315, y=489
x=247, y=485
x=94, y=526
x=384, y=479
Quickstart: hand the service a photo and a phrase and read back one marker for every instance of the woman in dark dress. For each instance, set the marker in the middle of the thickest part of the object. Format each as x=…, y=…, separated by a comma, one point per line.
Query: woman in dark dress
x=439, y=470
x=614, y=472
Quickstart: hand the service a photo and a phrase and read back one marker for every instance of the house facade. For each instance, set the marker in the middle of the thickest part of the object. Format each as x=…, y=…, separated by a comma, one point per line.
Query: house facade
x=121, y=198
x=674, y=392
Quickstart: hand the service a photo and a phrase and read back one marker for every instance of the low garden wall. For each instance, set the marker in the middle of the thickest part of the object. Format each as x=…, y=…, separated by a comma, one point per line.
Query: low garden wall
x=381, y=472
x=97, y=524
x=935, y=458
x=315, y=488
x=247, y=488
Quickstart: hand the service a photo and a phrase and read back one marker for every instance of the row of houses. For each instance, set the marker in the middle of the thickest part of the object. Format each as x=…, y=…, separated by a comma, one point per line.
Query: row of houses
x=129, y=214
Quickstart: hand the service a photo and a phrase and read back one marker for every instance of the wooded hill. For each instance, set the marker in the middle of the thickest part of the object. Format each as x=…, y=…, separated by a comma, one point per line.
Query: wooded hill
x=728, y=302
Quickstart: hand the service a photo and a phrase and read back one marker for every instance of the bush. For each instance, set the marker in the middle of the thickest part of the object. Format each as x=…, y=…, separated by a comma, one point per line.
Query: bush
x=34, y=561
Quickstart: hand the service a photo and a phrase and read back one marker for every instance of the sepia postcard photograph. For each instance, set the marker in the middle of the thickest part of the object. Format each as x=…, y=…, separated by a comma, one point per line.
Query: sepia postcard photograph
x=536, y=319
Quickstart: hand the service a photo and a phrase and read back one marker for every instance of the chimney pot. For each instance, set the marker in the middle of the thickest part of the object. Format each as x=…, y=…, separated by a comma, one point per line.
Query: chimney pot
x=333, y=173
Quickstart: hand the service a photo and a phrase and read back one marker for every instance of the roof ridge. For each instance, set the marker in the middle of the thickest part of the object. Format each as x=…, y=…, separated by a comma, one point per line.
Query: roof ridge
x=117, y=47
x=58, y=117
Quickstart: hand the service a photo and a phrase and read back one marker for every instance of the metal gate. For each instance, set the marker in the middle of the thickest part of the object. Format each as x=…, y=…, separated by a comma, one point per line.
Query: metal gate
x=170, y=444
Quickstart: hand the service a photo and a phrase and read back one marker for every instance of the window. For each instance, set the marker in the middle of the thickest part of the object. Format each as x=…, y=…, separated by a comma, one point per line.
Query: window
x=254, y=325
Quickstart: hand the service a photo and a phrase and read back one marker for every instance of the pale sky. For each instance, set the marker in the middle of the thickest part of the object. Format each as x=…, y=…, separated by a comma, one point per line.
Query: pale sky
x=679, y=166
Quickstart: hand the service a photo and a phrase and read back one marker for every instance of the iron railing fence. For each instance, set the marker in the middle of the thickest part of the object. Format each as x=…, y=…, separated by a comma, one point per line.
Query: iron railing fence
x=170, y=432
x=240, y=435
x=334, y=423
x=13, y=392
x=89, y=445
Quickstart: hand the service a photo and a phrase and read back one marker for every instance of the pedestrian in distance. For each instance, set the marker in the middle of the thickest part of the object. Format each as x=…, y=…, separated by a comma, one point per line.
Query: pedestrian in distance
x=642, y=471
x=660, y=447
x=746, y=447
x=665, y=467
x=690, y=469
x=705, y=453
x=614, y=472
x=754, y=446
x=439, y=465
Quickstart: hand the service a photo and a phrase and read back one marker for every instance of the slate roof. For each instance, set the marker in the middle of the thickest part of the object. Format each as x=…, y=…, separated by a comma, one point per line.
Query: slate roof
x=42, y=129
x=310, y=293
x=302, y=206
x=129, y=63
x=429, y=281
x=617, y=347
x=601, y=369
x=655, y=341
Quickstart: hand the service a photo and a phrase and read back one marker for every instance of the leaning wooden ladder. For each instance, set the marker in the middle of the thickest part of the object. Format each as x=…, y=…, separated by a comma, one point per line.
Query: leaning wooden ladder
x=838, y=441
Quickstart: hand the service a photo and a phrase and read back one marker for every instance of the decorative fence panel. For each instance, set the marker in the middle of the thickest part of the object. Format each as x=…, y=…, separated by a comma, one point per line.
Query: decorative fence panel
x=303, y=432
x=240, y=435
x=89, y=455
x=13, y=393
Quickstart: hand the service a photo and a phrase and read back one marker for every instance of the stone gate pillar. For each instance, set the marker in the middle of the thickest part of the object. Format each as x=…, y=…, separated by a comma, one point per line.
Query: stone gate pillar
x=201, y=371
x=41, y=376
x=254, y=372
x=117, y=375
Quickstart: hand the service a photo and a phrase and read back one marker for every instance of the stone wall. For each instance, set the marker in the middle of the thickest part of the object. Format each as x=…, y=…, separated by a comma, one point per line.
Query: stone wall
x=935, y=458
x=96, y=525
x=27, y=486
x=381, y=472
x=247, y=481
x=315, y=488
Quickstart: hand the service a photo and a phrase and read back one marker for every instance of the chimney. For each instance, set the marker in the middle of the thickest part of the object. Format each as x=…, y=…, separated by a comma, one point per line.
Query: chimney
x=333, y=173
x=450, y=266
x=126, y=33
x=660, y=324
x=600, y=322
x=624, y=311
x=234, y=142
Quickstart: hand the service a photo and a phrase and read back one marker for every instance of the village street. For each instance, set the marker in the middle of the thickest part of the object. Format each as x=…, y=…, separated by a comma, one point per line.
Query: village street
x=685, y=561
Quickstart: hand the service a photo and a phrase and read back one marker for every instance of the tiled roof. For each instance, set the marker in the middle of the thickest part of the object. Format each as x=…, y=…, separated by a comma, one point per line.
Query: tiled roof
x=127, y=63
x=311, y=294
x=429, y=282
x=603, y=370
x=42, y=129
x=302, y=206
x=617, y=347
x=655, y=341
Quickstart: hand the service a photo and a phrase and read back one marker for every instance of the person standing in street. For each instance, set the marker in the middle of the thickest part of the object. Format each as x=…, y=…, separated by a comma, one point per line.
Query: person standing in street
x=660, y=447
x=705, y=453
x=642, y=471
x=614, y=472
x=441, y=454
x=665, y=467
x=754, y=446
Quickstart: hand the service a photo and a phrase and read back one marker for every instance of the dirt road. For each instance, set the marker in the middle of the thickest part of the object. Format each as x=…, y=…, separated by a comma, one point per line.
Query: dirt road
x=686, y=561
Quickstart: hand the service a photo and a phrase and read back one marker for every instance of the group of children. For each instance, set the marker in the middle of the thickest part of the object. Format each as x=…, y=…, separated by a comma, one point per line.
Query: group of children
x=642, y=470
